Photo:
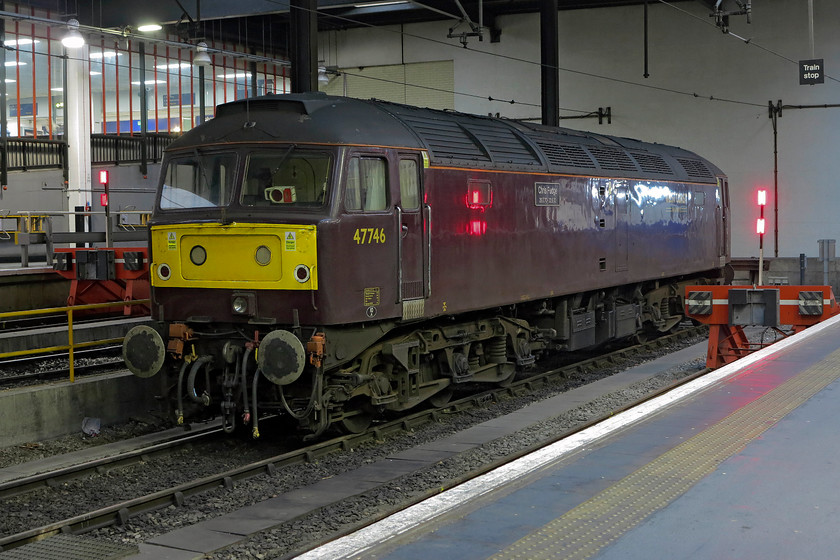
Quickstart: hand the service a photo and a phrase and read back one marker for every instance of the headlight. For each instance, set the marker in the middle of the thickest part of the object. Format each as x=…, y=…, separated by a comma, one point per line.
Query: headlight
x=164, y=272
x=240, y=305
x=302, y=273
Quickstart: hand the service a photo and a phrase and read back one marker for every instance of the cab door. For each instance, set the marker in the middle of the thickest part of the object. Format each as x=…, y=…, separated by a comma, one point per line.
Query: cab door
x=412, y=233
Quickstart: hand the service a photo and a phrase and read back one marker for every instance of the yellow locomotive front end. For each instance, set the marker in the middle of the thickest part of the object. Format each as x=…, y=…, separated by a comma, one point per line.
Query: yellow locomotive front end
x=234, y=256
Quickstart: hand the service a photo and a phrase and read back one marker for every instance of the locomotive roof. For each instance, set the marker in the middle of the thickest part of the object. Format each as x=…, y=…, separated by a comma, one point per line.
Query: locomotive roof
x=451, y=138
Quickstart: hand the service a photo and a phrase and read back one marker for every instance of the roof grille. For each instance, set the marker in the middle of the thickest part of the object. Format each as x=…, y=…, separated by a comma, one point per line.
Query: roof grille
x=610, y=158
x=565, y=155
x=695, y=168
x=504, y=145
x=446, y=139
x=651, y=163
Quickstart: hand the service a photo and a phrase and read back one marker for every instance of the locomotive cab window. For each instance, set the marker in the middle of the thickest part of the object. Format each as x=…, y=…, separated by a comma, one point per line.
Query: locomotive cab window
x=198, y=181
x=366, y=188
x=284, y=178
x=409, y=184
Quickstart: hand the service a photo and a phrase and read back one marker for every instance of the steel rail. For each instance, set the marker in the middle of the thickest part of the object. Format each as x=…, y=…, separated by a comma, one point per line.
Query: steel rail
x=55, y=477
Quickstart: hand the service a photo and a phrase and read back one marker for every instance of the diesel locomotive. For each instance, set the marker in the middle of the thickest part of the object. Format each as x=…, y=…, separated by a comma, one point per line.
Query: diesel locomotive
x=331, y=259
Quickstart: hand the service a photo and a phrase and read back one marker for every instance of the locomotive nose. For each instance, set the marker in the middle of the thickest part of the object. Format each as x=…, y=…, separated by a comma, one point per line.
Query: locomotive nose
x=143, y=351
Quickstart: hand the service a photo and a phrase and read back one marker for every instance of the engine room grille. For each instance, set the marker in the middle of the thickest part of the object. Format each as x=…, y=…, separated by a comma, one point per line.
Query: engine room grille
x=695, y=168
x=565, y=156
x=503, y=143
x=610, y=158
x=651, y=163
x=446, y=139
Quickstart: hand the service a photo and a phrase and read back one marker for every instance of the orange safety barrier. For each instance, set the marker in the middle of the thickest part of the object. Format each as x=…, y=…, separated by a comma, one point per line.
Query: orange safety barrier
x=727, y=309
x=106, y=274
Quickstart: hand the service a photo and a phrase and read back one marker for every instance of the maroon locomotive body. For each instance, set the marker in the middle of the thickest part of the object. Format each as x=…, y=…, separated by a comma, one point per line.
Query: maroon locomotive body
x=367, y=256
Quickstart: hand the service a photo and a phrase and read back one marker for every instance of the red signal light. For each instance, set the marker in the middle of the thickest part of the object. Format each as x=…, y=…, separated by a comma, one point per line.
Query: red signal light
x=103, y=199
x=103, y=177
x=759, y=226
x=479, y=195
x=762, y=197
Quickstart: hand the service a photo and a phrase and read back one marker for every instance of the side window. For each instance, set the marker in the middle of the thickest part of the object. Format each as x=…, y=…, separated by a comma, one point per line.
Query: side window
x=409, y=184
x=366, y=188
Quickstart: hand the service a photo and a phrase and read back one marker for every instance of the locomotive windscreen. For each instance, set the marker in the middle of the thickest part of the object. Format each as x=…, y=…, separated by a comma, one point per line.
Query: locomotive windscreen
x=198, y=181
x=286, y=177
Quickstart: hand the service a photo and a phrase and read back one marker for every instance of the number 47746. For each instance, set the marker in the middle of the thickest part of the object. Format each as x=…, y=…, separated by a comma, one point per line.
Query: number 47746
x=369, y=235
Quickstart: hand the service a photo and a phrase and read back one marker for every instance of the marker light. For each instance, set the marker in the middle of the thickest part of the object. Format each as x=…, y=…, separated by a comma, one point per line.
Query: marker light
x=762, y=197
x=103, y=199
x=759, y=226
x=103, y=176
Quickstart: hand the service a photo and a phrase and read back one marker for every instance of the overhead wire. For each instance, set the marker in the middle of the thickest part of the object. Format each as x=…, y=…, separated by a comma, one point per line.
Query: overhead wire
x=527, y=61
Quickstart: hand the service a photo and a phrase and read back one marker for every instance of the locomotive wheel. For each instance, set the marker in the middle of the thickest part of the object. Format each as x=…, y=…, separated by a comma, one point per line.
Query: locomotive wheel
x=441, y=398
x=357, y=418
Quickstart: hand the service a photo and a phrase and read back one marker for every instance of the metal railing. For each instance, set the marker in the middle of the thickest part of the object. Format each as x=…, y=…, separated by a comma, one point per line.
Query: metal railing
x=117, y=149
x=25, y=154
x=71, y=344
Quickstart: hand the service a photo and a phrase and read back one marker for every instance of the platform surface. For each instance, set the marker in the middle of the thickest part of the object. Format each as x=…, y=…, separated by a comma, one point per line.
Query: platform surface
x=746, y=467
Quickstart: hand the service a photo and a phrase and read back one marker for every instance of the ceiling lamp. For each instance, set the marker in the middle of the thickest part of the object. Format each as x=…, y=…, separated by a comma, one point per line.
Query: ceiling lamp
x=201, y=57
x=73, y=39
x=149, y=28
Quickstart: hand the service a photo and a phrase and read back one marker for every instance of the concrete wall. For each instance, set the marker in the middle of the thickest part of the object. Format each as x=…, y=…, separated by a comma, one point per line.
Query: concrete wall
x=601, y=60
x=48, y=411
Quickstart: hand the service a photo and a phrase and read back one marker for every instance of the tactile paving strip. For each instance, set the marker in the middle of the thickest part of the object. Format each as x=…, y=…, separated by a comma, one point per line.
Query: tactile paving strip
x=584, y=530
x=70, y=547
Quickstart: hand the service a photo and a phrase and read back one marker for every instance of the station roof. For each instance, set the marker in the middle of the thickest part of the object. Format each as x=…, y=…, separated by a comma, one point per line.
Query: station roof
x=255, y=22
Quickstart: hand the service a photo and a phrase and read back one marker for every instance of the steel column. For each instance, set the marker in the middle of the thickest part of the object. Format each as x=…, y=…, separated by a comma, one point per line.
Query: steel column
x=550, y=60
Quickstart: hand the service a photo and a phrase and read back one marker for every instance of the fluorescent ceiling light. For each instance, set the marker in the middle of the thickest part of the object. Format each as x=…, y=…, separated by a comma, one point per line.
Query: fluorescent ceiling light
x=14, y=63
x=106, y=54
x=380, y=4
x=236, y=75
x=149, y=82
x=9, y=81
x=173, y=66
x=56, y=89
x=95, y=73
x=149, y=27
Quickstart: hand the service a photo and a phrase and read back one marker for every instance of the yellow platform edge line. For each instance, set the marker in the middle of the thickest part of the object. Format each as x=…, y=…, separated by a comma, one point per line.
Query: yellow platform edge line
x=584, y=530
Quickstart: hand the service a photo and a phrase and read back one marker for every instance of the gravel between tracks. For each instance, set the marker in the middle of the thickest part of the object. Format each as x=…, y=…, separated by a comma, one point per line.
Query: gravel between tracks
x=296, y=535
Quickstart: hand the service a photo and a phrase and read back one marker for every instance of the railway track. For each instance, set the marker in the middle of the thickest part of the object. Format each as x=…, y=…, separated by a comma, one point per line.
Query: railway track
x=120, y=513
x=37, y=369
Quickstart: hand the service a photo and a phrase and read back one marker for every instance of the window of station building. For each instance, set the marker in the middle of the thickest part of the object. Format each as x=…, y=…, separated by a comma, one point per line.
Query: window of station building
x=366, y=185
x=32, y=76
x=120, y=74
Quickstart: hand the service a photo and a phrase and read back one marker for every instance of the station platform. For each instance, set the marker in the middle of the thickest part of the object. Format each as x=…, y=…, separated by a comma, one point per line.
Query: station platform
x=742, y=463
